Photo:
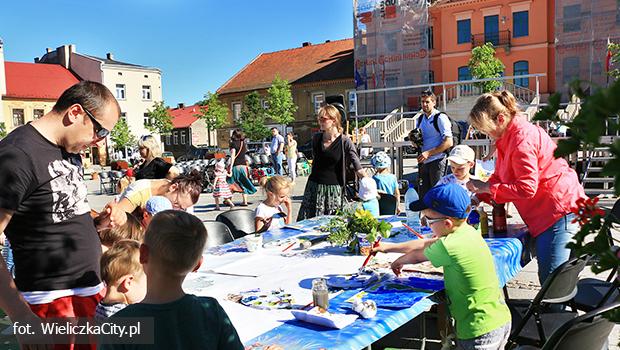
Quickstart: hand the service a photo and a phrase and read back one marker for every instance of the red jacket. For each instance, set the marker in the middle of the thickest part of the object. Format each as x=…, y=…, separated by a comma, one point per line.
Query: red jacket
x=542, y=187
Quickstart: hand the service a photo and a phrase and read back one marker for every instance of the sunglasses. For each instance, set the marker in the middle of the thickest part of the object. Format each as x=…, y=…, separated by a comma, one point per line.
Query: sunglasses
x=100, y=131
x=425, y=221
x=324, y=119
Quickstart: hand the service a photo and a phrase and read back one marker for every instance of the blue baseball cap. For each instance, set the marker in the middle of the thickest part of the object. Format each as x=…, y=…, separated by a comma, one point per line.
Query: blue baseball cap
x=156, y=204
x=449, y=199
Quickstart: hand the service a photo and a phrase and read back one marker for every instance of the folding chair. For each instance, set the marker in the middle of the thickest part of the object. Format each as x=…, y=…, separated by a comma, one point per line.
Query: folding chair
x=217, y=234
x=589, y=331
x=559, y=288
x=105, y=180
x=239, y=221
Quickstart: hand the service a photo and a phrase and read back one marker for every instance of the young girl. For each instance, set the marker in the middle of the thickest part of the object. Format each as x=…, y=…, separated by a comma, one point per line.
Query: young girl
x=275, y=210
x=386, y=181
x=220, y=186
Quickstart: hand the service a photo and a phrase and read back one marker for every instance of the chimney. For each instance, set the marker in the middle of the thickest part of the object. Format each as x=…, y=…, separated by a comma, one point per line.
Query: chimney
x=72, y=48
x=36, y=60
x=307, y=43
x=48, y=49
x=328, y=41
x=64, y=56
x=181, y=105
x=109, y=56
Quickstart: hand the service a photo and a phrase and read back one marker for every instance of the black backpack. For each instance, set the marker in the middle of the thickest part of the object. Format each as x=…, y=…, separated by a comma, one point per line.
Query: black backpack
x=457, y=135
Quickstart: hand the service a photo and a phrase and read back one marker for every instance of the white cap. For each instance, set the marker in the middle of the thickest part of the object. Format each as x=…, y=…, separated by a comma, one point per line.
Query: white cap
x=368, y=189
x=462, y=154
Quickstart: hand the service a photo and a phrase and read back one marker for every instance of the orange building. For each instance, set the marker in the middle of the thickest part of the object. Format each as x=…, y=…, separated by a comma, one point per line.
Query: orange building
x=521, y=31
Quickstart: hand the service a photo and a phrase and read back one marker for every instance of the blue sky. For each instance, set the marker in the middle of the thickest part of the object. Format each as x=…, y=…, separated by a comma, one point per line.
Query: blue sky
x=198, y=45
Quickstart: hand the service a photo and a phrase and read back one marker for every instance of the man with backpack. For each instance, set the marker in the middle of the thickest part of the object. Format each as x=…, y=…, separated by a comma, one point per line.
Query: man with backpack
x=437, y=139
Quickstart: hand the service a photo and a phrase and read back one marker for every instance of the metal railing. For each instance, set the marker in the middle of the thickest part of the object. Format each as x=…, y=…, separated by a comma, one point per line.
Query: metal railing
x=500, y=38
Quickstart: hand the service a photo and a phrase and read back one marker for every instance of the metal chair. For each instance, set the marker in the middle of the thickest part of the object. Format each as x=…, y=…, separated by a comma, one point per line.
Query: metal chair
x=217, y=234
x=559, y=288
x=239, y=221
x=589, y=331
x=387, y=204
x=105, y=180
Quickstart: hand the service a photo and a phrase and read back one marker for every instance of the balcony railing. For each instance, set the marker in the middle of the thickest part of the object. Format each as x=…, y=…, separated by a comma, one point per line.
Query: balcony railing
x=501, y=38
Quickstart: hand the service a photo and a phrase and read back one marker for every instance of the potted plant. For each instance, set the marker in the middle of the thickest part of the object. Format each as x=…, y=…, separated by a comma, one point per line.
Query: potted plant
x=358, y=229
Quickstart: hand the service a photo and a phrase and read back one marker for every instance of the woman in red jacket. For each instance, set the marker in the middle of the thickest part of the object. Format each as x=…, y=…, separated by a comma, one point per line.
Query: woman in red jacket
x=543, y=188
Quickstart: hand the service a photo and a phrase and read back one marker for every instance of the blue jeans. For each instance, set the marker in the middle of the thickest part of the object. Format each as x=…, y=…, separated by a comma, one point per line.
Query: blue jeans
x=551, y=249
x=276, y=159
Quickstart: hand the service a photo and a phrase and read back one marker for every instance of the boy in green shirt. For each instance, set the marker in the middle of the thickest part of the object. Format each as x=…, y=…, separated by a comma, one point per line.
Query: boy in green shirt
x=472, y=288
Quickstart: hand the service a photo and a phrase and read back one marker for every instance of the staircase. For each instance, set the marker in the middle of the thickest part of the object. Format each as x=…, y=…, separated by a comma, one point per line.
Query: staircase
x=591, y=178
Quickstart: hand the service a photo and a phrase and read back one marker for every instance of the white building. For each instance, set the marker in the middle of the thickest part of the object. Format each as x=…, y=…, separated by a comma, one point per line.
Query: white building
x=136, y=87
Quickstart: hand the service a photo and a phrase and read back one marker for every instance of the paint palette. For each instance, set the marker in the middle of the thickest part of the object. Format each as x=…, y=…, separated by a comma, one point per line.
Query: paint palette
x=275, y=299
x=351, y=281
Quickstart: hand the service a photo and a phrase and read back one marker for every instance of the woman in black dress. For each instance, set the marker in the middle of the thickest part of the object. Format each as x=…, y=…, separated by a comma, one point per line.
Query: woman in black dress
x=152, y=166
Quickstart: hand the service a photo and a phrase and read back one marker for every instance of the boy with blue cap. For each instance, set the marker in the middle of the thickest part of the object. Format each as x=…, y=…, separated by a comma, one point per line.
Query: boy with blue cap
x=474, y=297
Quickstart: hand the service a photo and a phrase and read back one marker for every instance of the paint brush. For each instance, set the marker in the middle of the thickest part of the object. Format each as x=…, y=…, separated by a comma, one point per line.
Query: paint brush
x=289, y=246
x=413, y=231
x=370, y=255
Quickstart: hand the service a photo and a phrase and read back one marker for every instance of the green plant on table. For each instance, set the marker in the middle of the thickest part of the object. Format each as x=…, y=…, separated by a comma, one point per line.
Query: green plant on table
x=343, y=228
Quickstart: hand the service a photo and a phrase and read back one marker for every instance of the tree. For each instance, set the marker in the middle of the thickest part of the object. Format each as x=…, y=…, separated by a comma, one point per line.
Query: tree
x=160, y=119
x=253, y=117
x=281, y=105
x=2, y=130
x=121, y=135
x=615, y=59
x=483, y=64
x=213, y=112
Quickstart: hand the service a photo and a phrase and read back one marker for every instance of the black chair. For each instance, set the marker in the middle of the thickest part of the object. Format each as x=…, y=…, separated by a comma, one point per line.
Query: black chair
x=589, y=331
x=239, y=221
x=217, y=234
x=593, y=293
x=559, y=288
x=387, y=204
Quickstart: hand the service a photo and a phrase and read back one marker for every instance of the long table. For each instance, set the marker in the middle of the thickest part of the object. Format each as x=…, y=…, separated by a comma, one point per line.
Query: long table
x=226, y=268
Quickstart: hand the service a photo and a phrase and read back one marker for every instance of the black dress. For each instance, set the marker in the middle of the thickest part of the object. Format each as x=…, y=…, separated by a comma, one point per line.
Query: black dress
x=155, y=169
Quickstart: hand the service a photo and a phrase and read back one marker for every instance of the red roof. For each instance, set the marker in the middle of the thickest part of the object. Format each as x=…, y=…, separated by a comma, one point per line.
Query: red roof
x=290, y=65
x=37, y=80
x=184, y=117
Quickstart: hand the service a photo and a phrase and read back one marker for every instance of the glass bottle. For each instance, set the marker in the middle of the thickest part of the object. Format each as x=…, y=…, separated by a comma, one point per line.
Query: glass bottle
x=320, y=295
x=499, y=220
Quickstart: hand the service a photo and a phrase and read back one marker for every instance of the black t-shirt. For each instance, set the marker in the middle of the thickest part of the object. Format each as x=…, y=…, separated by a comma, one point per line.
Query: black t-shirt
x=240, y=148
x=54, y=240
x=327, y=163
x=155, y=169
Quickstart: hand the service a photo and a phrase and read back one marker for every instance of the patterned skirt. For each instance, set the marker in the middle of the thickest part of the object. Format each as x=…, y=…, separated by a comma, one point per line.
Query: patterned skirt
x=221, y=189
x=320, y=200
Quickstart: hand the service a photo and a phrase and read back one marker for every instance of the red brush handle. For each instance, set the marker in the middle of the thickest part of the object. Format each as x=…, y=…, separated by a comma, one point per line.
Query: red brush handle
x=375, y=245
x=413, y=231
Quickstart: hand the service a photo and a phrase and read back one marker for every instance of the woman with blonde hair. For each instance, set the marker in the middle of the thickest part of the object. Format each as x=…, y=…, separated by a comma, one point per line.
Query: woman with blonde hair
x=153, y=166
x=543, y=188
x=332, y=153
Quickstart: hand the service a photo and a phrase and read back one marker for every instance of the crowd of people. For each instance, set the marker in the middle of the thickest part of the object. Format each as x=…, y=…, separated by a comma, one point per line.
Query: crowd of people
x=130, y=260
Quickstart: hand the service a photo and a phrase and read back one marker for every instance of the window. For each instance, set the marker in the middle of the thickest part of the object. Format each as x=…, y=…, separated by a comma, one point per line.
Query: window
x=124, y=116
x=429, y=38
x=265, y=104
x=318, y=99
x=428, y=77
x=146, y=92
x=182, y=137
x=520, y=24
x=147, y=120
x=236, y=110
x=168, y=139
x=464, y=73
x=175, y=137
x=463, y=31
x=572, y=18
x=18, y=117
x=570, y=69
x=37, y=113
x=522, y=68
x=491, y=29
x=120, y=91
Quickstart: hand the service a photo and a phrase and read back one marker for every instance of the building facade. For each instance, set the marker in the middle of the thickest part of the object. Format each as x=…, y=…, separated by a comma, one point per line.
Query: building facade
x=315, y=72
x=137, y=88
x=188, y=130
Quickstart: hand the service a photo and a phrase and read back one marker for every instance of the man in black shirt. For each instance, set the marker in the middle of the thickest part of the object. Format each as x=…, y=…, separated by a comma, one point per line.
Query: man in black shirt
x=44, y=211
